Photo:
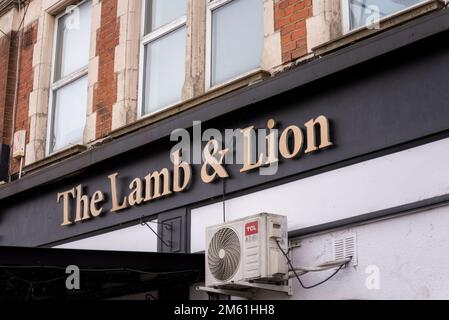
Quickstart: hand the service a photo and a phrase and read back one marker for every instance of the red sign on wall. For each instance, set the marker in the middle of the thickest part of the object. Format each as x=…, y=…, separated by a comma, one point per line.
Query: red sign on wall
x=252, y=228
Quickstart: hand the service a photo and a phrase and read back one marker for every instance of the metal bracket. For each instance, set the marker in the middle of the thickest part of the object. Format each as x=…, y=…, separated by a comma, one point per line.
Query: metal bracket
x=250, y=288
x=169, y=227
x=288, y=288
x=247, y=294
x=295, y=243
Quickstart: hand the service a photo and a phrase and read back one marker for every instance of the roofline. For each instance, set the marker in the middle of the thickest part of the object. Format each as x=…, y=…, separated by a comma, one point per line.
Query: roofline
x=357, y=53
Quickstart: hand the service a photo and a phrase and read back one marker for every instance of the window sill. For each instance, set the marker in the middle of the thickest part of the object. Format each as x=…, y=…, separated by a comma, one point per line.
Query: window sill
x=387, y=23
x=210, y=94
x=55, y=157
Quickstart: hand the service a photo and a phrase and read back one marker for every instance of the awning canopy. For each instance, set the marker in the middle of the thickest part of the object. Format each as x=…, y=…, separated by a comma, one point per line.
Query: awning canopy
x=39, y=274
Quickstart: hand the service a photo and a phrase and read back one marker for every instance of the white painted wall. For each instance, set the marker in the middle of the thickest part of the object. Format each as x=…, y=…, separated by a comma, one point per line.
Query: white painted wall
x=397, y=179
x=409, y=251
x=136, y=239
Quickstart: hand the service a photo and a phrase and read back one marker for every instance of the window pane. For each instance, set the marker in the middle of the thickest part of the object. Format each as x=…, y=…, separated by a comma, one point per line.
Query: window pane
x=69, y=114
x=73, y=39
x=237, y=39
x=161, y=12
x=365, y=12
x=164, y=70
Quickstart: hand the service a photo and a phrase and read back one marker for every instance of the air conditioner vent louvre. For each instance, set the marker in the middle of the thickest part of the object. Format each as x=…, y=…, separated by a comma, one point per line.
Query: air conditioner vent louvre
x=345, y=247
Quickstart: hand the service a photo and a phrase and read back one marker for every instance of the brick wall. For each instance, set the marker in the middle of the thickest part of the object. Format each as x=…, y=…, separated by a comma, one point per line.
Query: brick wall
x=10, y=88
x=8, y=60
x=4, y=66
x=290, y=19
x=26, y=77
x=105, y=92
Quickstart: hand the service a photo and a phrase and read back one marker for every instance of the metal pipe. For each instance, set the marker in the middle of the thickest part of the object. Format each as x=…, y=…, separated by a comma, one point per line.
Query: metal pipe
x=16, y=89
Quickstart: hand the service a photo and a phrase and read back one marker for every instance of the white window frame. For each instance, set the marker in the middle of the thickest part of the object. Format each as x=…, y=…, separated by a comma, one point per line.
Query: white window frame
x=346, y=21
x=345, y=16
x=211, y=6
x=55, y=85
x=144, y=41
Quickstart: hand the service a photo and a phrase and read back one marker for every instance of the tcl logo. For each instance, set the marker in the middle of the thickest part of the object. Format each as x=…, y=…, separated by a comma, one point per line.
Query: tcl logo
x=252, y=228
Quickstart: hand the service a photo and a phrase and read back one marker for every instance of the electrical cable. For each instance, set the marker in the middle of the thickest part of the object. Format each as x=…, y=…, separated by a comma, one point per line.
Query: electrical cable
x=97, y=270
x=21, y=22
x=224, y=200
x=19, y=36
x=24, y=14
x=293, y=269
x=322, y=267
x=227, y=146
x=1, y=31
x=35, y=283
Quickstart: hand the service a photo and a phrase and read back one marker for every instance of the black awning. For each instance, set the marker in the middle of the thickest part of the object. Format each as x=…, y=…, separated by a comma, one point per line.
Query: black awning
x=39, y=274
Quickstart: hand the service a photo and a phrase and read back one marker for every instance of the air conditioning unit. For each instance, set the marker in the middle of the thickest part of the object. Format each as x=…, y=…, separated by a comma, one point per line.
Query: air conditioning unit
x=245, y=251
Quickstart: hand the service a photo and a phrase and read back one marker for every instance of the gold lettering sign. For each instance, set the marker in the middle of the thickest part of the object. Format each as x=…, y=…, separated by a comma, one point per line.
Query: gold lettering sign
x=289, y=144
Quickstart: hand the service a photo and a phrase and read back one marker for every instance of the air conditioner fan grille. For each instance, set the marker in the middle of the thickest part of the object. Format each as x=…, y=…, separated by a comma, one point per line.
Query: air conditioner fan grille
x=224, y=254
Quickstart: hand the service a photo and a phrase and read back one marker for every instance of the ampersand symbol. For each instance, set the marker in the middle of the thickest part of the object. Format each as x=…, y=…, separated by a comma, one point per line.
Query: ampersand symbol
x=211, y=151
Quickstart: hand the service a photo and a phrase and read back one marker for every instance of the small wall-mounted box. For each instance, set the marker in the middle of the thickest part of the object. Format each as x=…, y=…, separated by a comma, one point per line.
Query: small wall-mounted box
x=18, y=148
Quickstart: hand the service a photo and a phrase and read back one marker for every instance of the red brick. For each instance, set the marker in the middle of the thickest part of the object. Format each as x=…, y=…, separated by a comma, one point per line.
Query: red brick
x=105, y=91
x=289, y=47
x=299, y=6
x=5, y=47
x=299, y=52
x=289, y=28
x=300, y=15
x=25, y=80
x=290, y=19
x=298, y=34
